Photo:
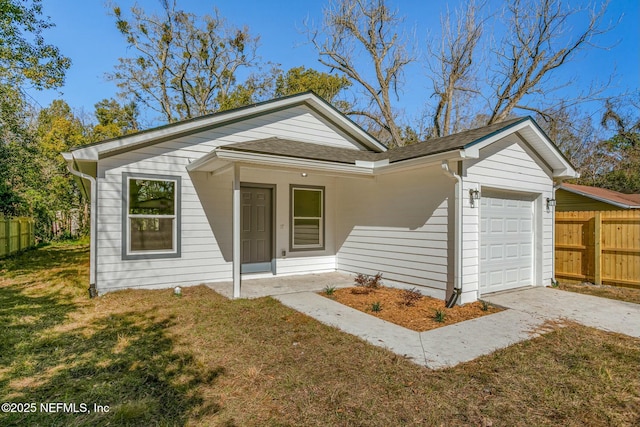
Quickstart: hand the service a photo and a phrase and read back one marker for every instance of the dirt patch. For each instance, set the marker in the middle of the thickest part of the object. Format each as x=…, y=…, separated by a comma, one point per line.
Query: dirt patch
x=419, y=316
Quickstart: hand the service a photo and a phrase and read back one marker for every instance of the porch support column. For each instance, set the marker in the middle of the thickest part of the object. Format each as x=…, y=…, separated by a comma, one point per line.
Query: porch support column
x=236, y=231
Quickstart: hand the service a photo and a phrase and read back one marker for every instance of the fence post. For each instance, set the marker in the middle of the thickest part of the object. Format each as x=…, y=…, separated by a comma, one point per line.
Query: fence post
x=19, y=235
x=598, y=248
x=7, y=242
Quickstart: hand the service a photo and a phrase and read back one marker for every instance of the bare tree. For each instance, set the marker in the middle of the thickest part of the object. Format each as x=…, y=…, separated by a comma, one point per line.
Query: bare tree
x=574, y=133
x=452, y=66
x=353, y=27
x=534, y=47
x=182, y=67
x=520, y=73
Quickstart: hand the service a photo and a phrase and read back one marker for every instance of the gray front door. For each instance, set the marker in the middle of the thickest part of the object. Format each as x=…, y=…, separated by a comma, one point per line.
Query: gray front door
x=256, y=233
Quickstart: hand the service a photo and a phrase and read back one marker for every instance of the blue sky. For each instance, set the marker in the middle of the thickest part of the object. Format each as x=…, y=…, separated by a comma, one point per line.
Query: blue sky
x=86, y=33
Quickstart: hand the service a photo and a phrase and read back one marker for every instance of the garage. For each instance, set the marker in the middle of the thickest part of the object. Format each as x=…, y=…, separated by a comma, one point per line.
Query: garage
x=506, y=241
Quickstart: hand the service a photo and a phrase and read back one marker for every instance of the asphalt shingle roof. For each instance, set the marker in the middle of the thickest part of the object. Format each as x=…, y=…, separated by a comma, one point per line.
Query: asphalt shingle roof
x=305, y=150
x=302, y=150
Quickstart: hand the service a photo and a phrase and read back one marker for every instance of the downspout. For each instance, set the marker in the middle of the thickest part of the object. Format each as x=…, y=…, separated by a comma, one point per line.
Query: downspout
x=94, y=221
x=457, y=238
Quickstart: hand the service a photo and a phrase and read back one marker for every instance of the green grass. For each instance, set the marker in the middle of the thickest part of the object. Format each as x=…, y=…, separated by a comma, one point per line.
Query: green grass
x=203, y=360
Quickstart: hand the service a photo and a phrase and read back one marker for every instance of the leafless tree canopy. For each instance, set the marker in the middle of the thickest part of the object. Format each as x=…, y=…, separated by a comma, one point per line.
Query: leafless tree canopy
x=452, y=66
x=535, y=45
x=352, y=27
x=182, y=67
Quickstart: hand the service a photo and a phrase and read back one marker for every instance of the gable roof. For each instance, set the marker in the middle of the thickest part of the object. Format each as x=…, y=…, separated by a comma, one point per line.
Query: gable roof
x=458, y=146
x=97, y=150
x=627, y=201
x=462, y=145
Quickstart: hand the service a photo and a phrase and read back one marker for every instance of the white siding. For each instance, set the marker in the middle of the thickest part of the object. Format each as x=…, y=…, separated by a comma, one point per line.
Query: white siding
x=398, y=225
x=206, y=203
x=510, y=165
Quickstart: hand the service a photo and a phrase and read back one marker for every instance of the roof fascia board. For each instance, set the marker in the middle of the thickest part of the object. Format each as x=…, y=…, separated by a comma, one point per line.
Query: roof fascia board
x=600, y=199
x=423, y=161
x=372, y=164
x=565, y=174
x=208, y=163
x=568, y=167
x=533, y=152
x=330, y=113
x=473, y=148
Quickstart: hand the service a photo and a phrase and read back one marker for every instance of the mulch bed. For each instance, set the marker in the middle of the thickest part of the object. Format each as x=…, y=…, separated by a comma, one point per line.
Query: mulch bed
x=420, y=316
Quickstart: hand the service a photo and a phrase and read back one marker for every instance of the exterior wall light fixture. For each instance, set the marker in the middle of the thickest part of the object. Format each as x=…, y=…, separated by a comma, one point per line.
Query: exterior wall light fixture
x=474, y=195
x=550, y=203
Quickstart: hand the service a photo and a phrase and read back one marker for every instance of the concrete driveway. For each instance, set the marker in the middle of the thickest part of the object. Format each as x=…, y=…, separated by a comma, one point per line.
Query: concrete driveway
x=527, y=312
x=602, y=313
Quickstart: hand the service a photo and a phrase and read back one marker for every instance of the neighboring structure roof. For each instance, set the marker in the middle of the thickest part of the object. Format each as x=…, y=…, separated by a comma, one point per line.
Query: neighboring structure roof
x=627, y=201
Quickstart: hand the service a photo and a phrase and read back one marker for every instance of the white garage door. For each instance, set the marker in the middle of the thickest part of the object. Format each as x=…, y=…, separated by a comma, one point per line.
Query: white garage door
x=506, y=242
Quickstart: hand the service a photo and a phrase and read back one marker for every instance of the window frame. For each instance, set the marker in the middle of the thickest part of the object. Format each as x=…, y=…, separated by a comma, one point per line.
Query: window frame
x=176, y=251
x=321, y=234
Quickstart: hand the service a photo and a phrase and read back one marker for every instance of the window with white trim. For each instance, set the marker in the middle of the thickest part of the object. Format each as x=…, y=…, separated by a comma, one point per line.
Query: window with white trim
x=152, y=207
x=307, y=217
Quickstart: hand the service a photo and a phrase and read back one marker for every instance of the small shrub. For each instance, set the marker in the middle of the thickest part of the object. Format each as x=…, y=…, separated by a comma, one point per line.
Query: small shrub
x=360, y=279
x=440, y=316
x=485, y=306
x=361, y=290
x=366, y=281
x=329, y=290
x=410, y=296
x=376, y=307
x=554, y=283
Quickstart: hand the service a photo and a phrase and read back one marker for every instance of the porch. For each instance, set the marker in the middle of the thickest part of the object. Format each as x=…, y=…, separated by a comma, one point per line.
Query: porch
x=280, y=285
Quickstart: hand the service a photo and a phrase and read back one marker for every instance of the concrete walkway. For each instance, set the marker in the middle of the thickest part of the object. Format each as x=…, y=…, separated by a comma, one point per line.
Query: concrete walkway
x=527, y=311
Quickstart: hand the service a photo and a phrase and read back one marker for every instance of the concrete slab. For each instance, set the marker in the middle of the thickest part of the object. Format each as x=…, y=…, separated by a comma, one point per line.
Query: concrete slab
x=602, y=313
x=378, y=332
x=262, y=286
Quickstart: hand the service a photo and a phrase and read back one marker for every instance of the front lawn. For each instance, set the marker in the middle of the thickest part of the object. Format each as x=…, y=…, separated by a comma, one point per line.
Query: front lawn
x=157, y=359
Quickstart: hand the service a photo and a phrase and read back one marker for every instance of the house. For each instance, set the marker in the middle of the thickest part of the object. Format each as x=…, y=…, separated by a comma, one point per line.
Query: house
x=573, y=197
x=292, y=186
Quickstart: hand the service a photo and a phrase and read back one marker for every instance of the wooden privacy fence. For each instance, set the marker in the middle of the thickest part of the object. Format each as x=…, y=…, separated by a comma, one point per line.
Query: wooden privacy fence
x=599, y=247
x=16, y=234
